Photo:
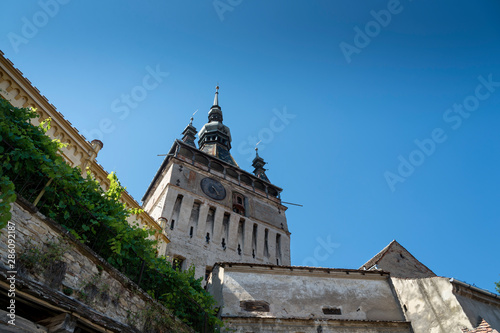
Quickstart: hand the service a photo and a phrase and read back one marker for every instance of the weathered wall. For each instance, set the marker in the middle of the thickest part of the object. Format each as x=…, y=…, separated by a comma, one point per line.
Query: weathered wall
x=431, y=305
x=478, y=305
x=85, y=278
x=302, y=294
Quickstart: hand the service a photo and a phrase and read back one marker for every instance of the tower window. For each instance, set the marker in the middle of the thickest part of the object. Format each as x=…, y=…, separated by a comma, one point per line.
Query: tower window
x=193, y=220
x=178, y=263
x=278, y=249
x=239, y=204
x=254, y=240
x=209, y=226
x=241, y=236
x=176, y=211
x=266, y=243
x=225, y=230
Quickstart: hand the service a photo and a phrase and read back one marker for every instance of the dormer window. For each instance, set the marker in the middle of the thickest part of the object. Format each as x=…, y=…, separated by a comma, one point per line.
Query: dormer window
x=239, y=204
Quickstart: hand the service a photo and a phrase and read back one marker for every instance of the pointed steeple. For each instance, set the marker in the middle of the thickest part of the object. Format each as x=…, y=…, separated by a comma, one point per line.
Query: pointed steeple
x=215, y=137
x=258, y=163
x=215, y=113
x=189, y=134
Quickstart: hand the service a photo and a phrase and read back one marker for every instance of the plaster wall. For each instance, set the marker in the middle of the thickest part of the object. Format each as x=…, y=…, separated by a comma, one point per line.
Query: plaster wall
x=478, y=307
x=431, y=305
x=299, y=293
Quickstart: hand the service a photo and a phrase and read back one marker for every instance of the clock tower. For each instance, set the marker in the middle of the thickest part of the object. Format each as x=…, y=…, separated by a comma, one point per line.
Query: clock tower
x=212, y=210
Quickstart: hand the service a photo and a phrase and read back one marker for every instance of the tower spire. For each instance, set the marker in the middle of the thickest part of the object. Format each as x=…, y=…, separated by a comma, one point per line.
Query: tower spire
x=215, y=137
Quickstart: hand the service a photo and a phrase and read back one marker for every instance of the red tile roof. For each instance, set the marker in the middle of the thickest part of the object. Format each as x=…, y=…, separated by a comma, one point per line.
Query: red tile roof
x=484, y=327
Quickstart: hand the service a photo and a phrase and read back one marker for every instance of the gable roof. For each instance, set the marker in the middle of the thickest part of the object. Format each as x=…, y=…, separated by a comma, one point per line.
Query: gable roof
x=397, y=260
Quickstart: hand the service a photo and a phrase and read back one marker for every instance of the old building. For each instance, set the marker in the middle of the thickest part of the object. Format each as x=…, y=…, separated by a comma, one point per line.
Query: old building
x=213, y=209
x=231, y=226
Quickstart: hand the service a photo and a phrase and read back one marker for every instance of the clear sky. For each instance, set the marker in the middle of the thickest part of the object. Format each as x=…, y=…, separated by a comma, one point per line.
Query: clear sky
x=379, y=117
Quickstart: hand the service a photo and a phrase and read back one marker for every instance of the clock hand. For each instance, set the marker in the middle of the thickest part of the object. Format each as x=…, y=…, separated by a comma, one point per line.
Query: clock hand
x=213, y=187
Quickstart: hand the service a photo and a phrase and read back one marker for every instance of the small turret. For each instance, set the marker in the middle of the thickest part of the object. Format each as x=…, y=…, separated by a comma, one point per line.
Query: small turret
x=189, y=134
x=258, y=164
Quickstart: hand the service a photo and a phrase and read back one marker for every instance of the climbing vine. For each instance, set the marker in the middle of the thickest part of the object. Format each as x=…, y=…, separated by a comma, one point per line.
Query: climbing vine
x=31, y=166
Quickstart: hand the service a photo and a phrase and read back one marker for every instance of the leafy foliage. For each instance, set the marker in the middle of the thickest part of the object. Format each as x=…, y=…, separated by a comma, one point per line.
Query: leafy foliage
x=30, y=163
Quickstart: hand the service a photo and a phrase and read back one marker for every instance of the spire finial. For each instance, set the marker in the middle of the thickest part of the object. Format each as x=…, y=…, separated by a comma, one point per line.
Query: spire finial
x=192, y=118
x=257, y=149
x=216, y=98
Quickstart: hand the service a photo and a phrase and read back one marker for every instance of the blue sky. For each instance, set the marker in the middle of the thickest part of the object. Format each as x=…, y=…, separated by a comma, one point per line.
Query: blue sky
x=388, y=133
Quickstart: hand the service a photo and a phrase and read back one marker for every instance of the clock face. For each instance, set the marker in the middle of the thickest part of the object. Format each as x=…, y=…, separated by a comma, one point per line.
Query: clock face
x=213, y=188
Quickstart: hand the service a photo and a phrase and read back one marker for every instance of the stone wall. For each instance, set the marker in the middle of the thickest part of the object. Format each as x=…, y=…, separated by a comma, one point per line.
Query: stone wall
x=79, y=281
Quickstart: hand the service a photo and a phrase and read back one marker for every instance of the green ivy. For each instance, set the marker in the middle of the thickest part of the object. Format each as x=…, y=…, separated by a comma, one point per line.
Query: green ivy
x=30, y=162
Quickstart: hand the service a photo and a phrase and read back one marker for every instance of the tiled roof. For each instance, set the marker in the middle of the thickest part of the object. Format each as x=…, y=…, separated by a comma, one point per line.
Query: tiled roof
x=484, y=327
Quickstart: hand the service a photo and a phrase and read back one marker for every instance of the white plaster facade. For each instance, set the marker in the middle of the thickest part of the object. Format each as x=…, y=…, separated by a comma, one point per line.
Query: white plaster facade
x=443, y=305
x=264, y=298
